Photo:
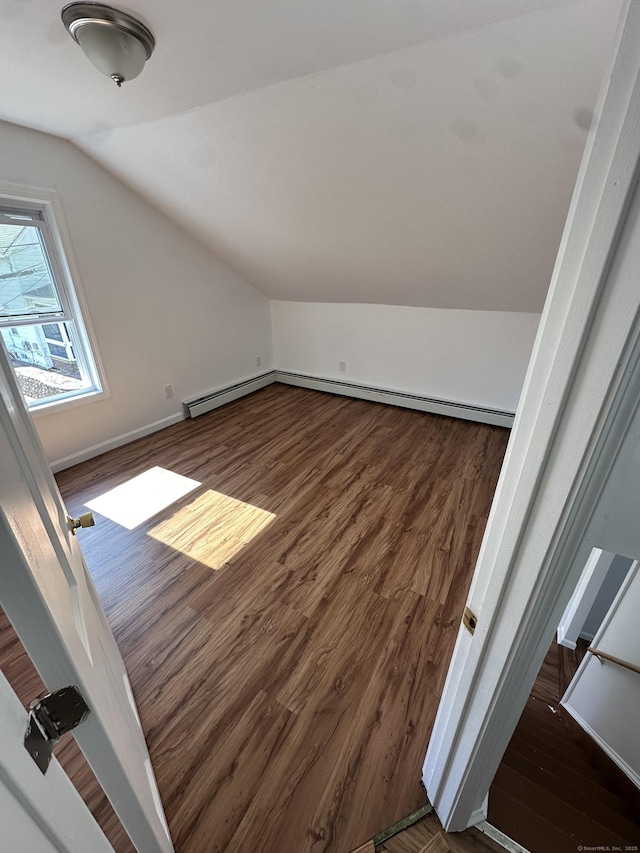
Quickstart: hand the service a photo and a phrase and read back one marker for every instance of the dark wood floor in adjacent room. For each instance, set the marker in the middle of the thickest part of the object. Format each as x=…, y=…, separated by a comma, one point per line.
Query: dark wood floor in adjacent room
x=555, y=788
x=288, y=626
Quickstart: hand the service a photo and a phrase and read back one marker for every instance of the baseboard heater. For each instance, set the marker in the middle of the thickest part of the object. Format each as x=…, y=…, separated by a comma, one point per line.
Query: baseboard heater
x=399, y=398
x=208, y=402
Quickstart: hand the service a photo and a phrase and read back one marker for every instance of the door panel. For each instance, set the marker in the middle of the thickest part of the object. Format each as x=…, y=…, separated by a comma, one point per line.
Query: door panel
x=49, y=597
x=38, y=813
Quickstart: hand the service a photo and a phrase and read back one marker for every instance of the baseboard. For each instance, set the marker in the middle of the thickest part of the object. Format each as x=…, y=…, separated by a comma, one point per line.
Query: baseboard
x=586, y=637
x=628, y=771
x=562, y=638
x=480, y=815
x=398, y=398
x=215, y=399
x=112, y=443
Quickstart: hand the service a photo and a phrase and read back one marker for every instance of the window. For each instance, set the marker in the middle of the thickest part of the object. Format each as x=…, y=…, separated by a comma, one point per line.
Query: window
x=40, y=321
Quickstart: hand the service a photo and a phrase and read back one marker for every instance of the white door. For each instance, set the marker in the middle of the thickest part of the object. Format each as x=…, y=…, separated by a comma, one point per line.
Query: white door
x=49, y=597
x=604, y=695
x=38, y=813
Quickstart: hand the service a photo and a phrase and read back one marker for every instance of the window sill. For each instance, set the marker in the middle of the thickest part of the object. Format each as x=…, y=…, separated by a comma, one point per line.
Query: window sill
x=56, y=406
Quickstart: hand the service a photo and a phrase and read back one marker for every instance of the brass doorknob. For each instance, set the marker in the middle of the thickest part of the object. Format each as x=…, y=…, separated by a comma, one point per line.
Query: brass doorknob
x=84, y=520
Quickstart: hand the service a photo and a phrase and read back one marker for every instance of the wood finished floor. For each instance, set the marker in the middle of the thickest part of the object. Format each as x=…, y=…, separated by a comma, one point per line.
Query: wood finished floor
x=555, y=787
x=288, y=668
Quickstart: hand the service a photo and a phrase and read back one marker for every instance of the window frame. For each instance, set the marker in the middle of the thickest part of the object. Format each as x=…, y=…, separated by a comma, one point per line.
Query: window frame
x=66, y=275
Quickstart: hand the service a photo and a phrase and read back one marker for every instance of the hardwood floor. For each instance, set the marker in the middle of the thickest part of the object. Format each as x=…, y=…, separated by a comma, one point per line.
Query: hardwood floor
x=554, y=784
x=288, y=625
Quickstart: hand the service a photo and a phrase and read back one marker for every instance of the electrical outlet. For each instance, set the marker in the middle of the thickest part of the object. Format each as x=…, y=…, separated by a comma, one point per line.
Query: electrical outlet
x=258, y=360
x=343, y=366
x=168, y=392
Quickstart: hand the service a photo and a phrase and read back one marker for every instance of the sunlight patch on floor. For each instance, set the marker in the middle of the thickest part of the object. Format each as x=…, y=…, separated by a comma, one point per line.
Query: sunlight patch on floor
x=142, y=497
x=213, y=528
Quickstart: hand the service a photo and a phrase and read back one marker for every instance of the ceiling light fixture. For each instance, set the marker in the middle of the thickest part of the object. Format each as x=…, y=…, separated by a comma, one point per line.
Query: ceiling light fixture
x=117, y=44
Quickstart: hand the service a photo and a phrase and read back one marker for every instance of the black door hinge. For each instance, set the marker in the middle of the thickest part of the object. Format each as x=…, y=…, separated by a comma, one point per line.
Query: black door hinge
x=51, y=717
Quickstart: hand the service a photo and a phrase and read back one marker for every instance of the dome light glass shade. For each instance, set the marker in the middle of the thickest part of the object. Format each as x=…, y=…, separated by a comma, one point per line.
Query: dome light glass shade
x=112, y=51
x=117, y=44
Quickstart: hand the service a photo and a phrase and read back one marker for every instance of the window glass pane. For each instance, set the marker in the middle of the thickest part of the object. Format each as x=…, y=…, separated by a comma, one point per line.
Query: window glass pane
x=52, y=331
x=54, y=349
x=52, y=360
x=46, y=370
x=26, y=283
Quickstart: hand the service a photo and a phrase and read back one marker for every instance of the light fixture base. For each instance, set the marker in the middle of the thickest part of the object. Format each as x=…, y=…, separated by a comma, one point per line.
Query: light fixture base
x=76, y=15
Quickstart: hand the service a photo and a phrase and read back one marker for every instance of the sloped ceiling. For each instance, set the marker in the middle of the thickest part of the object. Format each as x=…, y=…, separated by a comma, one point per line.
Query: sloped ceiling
x=409, y=152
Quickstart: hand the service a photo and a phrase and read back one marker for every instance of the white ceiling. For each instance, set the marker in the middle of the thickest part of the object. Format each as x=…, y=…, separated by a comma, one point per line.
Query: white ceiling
x=416, y=152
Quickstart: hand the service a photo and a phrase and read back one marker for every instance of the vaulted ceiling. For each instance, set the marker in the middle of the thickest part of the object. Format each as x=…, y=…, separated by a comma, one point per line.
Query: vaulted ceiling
x=409, y=152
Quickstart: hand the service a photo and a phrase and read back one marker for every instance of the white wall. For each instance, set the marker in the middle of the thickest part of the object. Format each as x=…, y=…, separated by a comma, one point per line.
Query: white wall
x=164, y=308
x=473, y=357
x=609, y=588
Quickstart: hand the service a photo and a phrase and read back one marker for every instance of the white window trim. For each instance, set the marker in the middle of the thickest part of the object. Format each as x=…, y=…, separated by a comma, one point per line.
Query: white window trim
x=48, y=202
